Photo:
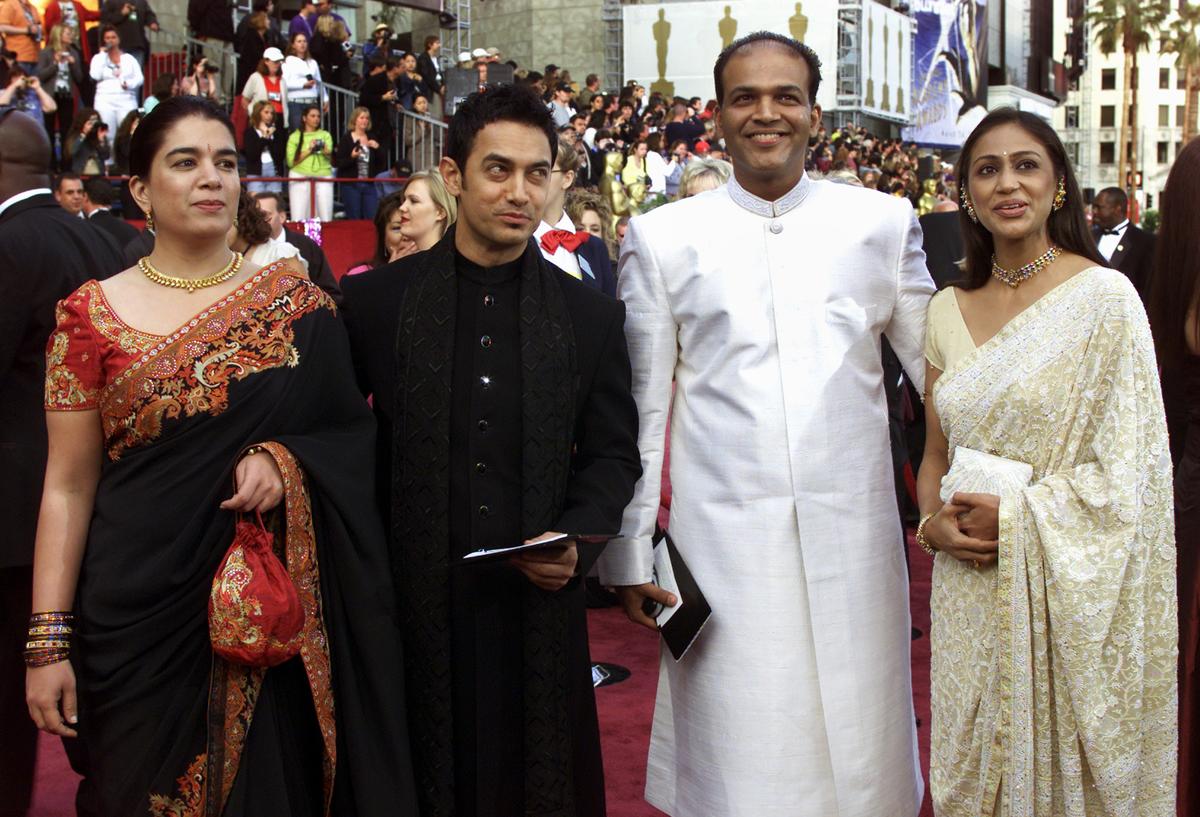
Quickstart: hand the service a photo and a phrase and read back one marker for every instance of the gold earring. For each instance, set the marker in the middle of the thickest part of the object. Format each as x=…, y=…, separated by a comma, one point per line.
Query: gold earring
x=150, y=221
x=966, y=203
x=1060, y=195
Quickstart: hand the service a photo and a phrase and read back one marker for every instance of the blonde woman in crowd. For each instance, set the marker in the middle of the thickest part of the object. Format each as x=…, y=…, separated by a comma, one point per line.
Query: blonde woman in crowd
x=703, y=174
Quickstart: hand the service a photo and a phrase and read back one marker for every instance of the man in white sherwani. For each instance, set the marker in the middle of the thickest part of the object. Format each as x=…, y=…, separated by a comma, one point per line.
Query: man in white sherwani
x=765, y=302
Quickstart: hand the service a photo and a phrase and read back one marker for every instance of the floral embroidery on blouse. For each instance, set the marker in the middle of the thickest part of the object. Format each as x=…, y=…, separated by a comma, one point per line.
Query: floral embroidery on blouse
x=139, y=380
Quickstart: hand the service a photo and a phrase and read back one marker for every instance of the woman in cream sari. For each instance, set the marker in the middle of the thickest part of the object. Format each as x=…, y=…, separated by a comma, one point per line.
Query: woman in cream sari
x=1046, y=496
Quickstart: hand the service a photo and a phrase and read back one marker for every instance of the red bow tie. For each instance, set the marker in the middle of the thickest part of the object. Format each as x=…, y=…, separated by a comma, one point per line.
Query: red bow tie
x=553, y=239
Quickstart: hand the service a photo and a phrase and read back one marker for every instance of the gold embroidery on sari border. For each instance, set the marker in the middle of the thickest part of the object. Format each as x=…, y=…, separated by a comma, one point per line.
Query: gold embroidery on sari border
x=233, y=694
x=301, y=548
x=190, y=802
x=189, y=372
x=105, y=321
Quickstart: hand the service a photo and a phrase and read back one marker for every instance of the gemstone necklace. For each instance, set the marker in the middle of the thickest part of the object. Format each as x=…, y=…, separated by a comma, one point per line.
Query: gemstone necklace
x=1015, y=277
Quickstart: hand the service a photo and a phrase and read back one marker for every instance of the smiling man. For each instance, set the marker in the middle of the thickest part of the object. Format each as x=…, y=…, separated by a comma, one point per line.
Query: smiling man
x=795, y=699
x=502, y=389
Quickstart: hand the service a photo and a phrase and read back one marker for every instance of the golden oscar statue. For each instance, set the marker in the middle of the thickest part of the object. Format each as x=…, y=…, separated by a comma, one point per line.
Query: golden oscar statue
x=798, y=24
x=728, y=28
x=886, y=105
x=869, y=68
x=928, y=199
x=662, y=33
x=900, y=57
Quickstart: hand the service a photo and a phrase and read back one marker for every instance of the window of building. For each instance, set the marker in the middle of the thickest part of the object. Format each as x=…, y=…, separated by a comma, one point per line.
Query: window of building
x=1162, y=152
x=1072, y=116
x=1073, y=84
x=1108, y=79
x=1164, y=78
x=1108, y=116
x=1181, y=80
x=1164, y=116
x=1132, y=116
x=1108, y=153
x=1179, y=116
x=1073, y=153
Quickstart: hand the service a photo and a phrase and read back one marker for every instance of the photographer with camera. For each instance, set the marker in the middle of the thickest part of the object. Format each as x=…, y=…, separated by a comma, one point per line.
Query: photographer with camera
x=86, y=149
x=60, y=69
x=308, y=152
x=359, y=157
x=201, y=79
x=264, y=147
x=118, y=79
x=25, y=93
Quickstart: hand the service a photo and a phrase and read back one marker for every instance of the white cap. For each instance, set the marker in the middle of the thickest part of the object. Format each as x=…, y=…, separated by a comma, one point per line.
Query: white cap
x=479, y=52
x=273, y=54
x=464, y=56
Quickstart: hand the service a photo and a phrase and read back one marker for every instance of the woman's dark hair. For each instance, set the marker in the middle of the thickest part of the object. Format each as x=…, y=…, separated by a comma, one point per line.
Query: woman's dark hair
x=300, y=128
x=152, y=132
x=802, y=51
x=1174, y=292
x=162, y=86
x=251, y=223
x=388, y=206
x=501, y=103
x=1068, y=225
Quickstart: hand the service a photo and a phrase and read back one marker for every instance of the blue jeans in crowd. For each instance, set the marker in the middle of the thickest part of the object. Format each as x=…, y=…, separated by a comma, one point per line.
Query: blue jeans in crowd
x=359, y=199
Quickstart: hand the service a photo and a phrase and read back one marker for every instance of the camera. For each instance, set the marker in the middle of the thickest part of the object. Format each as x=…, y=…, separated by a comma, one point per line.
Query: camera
x=106, y=47
x=318, y=144
x=212, y=69
x=308, y=76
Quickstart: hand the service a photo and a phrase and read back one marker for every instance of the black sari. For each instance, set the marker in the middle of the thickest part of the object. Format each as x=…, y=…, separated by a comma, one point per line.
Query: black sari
x=166, y=727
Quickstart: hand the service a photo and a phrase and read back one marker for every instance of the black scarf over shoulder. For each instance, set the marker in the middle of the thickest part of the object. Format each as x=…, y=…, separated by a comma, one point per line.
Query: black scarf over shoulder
x=420, y=520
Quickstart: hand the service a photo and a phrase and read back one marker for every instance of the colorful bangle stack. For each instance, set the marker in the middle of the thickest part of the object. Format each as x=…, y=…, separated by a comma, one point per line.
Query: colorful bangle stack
x=49, y=638
x=921, y=540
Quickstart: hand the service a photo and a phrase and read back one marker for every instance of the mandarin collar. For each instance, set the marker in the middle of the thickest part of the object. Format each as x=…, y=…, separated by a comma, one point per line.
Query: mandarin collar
x=769, y=209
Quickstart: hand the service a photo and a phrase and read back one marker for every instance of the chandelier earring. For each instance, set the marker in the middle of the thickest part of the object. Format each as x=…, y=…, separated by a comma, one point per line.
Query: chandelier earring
x=966, y=203
x=1060, y=195
x=150, y=220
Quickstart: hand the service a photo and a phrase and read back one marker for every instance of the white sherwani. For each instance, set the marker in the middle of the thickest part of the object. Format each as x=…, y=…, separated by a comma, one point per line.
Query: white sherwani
x=796, y=699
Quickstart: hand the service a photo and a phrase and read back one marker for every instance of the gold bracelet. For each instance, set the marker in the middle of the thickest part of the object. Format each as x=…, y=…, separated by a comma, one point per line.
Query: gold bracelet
x=921, y=540
x=252, y=450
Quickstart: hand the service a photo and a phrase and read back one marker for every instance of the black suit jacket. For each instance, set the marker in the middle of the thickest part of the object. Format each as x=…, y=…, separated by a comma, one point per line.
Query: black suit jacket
x=318, y=265
x=1133, y=256
x=594, y=253
x=429, y=72
x=45, y=255
x=943, y=244
x=118, y=228
x=605, y=461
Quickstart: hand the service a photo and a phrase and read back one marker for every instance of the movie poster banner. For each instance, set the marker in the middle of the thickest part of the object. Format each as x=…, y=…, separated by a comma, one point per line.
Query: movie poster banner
x=949, y=83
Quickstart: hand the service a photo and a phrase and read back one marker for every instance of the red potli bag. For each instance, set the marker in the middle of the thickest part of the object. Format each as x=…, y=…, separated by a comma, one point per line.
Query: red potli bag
x=254, y=612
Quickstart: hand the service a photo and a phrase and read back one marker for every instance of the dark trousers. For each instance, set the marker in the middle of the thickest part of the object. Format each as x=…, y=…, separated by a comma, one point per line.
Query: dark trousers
x=359, y=199
x=18, y=735
x=60, y=122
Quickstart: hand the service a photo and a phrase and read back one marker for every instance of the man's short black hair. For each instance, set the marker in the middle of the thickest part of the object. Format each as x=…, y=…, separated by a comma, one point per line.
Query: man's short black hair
x=501, y=103
x=803, y=51
x=100, y=192
x=1115, y=195
x=68, y=176
x=270, y=194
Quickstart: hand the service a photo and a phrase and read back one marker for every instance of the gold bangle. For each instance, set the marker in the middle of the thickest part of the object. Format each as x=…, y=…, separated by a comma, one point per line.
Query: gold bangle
x=921, y=540
x=252, y=450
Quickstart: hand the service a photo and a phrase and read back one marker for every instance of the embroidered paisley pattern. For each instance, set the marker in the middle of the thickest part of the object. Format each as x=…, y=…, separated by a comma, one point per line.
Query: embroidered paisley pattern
x=63, y=388
x=1053, y=675
x=190, y=372
x=190, y=802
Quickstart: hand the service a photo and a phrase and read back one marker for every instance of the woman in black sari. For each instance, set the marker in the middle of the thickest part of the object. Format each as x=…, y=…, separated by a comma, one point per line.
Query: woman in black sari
x=167, y=386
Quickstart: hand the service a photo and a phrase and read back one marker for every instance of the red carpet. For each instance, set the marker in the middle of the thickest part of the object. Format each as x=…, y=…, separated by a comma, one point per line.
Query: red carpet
x=625, y=710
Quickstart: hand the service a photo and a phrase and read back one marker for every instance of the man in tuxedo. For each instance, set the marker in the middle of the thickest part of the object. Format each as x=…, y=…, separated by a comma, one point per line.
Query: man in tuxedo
x=941, y=238
x=318, y=265
x=68, y=192
x=502, y=391
x=45, y=254
x=1124, y=246
x=579, y=254
x=431, y=73
x=98, y=196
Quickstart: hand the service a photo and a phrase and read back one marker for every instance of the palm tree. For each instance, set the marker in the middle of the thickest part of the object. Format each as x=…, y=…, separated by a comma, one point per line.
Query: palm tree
x=1184, y=42
x=1128, y=25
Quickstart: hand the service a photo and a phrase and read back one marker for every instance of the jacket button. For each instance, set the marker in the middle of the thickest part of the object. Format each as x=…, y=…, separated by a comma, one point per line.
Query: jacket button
x=485, y=381
x=776, y=227
x=481, y=467
x=482, y=425
x=489, y=300
x=484, y=511
x=486, y=341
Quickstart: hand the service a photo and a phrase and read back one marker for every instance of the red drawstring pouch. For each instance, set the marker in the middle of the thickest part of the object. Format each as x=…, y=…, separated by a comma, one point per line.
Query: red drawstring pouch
x=254, y=612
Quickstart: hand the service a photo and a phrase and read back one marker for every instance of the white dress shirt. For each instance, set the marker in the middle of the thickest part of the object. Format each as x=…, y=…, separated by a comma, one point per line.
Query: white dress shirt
x=562, y=258
x=1108, y=243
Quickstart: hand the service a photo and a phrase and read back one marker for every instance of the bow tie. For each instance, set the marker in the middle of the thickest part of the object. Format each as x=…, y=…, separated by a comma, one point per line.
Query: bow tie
x=553, y=239
x=1110, y=232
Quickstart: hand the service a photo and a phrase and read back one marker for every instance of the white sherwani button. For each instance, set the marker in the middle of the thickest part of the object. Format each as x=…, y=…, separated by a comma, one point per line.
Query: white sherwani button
x=776, y=227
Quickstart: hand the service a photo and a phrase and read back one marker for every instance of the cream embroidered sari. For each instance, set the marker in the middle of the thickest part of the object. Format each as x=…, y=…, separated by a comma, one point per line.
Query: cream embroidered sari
x=1053, y=674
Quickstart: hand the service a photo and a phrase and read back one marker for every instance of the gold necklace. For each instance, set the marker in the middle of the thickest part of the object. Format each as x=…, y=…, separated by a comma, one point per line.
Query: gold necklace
x=191, y=284
x=1015, y=277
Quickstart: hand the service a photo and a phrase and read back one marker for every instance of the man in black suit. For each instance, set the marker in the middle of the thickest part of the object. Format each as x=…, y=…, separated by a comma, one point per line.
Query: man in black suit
x=1125, y=247
x=45, y=254
x=502, y=391
x=318, y=265
x=98, y=197
x=431, y=73
x=943, y=243
x=579, y=254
